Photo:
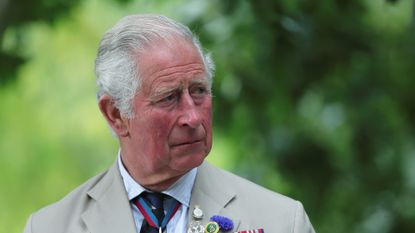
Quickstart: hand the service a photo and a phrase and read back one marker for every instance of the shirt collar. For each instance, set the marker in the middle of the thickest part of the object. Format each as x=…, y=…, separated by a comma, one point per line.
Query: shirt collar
x=181, y=190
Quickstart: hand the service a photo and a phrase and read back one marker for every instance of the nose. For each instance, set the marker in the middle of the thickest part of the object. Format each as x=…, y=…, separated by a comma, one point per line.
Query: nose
x=190, y=116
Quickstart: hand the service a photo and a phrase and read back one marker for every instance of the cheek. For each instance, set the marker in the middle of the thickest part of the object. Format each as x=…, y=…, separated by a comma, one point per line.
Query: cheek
x=207, y=124
x=160, y=127
x=161, y=131
x=151, y=133
x=207, y=113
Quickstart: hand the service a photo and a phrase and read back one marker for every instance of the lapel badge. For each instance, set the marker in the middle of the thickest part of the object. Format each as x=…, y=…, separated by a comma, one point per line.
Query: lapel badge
x=197, y=213
x=212, y=227
x=196, y=225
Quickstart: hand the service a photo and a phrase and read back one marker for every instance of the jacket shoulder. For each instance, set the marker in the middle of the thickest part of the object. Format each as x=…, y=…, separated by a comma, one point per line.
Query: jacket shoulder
x=247, y=189
x=65, y=212
x=256, y=206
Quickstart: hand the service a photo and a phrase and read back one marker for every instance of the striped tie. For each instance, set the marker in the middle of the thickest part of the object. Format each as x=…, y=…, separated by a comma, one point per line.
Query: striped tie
x=155, y=200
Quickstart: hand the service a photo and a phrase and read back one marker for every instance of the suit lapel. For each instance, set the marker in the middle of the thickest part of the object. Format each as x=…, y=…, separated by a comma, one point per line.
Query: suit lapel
x=212, y=195
x=110, y=209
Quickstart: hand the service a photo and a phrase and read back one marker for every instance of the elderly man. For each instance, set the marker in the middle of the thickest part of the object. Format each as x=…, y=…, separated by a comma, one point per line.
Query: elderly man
x=154, y=90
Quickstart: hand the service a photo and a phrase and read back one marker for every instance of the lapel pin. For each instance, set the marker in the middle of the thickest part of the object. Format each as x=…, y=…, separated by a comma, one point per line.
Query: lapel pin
x=196, y=225
x=197, y=213
x=212, y=227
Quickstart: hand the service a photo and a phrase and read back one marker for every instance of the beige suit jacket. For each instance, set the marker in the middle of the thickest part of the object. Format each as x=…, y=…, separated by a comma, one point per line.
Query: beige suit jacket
x=101, y=206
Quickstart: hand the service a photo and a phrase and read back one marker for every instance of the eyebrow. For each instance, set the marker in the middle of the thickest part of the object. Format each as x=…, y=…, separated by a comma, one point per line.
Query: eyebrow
x=167, y=89
x=163, y=91
x=202, y=80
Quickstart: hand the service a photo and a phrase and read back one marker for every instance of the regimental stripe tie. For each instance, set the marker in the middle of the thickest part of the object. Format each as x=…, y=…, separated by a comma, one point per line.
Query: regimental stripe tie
x=151, y=203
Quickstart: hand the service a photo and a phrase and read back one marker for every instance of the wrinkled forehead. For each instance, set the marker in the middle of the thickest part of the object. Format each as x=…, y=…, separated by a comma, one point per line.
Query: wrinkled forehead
x=167, y=56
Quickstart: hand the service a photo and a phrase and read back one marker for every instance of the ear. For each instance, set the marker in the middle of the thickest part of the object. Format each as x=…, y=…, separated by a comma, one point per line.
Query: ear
x=117, y=122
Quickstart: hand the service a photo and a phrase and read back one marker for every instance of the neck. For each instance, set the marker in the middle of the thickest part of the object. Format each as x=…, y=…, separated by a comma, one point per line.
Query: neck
x=160, y=186
x=153, y=176
x=152, y=181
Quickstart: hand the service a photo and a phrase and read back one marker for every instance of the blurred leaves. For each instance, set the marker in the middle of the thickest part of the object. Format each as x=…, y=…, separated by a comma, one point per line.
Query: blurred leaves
x=17, y=13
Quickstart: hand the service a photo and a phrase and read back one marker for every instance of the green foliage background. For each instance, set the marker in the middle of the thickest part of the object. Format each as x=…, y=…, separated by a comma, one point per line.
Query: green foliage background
x=313, y=99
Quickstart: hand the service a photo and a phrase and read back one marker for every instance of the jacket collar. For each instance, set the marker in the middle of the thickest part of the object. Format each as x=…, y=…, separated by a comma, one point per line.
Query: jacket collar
x=110, y=211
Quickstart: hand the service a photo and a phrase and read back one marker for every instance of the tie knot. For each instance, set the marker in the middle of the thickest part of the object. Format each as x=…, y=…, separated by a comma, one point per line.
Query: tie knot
x=155, y=199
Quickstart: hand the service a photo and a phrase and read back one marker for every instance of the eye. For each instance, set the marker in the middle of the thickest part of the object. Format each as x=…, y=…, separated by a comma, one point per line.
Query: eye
x=168, y=99
x=198, y=91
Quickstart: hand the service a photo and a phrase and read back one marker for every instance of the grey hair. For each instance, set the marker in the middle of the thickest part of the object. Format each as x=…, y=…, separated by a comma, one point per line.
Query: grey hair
x=116, y=65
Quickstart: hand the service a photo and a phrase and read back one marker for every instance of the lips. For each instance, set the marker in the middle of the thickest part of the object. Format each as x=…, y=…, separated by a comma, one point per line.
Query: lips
x=186, y=136
x=186, y=142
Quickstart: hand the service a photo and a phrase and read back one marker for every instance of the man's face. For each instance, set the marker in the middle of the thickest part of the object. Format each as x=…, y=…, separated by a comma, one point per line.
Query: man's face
x=171, y=131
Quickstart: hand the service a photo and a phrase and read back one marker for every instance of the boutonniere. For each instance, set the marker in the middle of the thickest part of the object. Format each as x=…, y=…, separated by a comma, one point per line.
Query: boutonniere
x=225, y=224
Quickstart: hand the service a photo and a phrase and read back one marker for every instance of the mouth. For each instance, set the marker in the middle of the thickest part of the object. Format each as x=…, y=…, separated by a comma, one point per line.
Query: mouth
x=185, y=143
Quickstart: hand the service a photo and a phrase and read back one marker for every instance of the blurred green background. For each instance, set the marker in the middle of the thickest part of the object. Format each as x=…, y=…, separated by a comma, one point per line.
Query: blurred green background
x=312, y=98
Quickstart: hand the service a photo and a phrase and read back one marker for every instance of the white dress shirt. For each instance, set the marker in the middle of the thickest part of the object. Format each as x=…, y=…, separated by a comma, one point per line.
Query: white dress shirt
x=181, y=191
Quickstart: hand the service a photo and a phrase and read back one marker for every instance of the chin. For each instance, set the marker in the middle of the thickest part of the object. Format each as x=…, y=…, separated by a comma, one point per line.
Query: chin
x=187, y=164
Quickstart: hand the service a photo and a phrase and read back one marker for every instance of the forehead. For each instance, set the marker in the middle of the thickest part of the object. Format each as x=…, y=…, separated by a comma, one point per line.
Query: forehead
x=168, y=59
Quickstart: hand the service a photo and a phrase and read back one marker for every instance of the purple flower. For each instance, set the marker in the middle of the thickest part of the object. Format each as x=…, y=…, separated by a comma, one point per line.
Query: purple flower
x=225, y=224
